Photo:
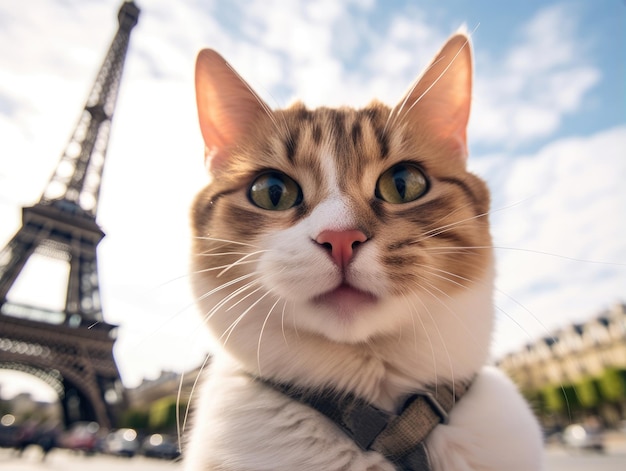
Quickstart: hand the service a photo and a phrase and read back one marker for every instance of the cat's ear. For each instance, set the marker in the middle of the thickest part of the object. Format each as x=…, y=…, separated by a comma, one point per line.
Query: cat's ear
x=227, y=106
x=440, y=99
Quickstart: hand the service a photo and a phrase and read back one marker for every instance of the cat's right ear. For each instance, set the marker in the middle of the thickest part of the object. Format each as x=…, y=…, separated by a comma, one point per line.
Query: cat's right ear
x=227, y=106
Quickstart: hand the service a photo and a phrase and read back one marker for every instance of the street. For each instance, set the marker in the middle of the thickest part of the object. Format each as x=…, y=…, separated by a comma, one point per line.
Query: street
x=560, y=460
x=62, y=460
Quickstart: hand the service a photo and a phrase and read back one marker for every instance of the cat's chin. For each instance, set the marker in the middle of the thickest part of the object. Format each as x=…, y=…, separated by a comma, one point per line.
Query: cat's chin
x=345, y=301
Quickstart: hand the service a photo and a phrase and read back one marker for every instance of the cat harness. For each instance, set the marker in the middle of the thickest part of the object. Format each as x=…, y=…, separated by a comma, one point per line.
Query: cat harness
x=399, y=437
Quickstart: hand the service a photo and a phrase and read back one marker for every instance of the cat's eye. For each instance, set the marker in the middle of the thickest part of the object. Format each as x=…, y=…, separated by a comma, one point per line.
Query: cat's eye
x=275, y=191
x=401, y=183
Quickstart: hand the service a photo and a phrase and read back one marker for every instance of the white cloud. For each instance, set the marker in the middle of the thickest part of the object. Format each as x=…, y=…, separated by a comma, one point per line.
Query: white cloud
x=287, y=49
x=547, y=41
x=525, y=94
x=563, y=251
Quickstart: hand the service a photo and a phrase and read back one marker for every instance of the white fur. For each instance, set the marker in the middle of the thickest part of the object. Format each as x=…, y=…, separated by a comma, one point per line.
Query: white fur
x=381, y=354
x=417, y=332
x=243, y=425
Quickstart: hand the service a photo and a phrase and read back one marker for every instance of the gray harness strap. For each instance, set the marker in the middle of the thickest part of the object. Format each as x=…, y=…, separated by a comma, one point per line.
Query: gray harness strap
x=399, y=437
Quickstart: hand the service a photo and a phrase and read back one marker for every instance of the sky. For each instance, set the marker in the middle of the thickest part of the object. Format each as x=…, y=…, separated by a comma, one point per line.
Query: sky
x=547, y=132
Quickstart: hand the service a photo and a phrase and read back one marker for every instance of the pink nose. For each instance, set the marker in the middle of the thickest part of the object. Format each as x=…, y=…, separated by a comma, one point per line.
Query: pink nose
x=341, y=244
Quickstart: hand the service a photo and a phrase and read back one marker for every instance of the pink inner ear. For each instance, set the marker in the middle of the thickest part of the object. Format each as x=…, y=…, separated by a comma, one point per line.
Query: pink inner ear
x=227, y=106
x=443, y=95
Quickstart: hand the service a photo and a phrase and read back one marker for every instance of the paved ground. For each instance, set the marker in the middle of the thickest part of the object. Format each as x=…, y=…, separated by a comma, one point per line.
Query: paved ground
x=557, y=459
x=63, y=460
x=560, y=460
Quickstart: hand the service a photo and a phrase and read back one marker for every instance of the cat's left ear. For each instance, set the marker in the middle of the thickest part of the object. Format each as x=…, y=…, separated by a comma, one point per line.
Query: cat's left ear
x=440, y=99
x=227, y=107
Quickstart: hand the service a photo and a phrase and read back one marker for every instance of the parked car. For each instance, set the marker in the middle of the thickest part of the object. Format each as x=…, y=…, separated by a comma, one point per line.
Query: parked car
x=81, y=436
x=9, y=432
x=122, y=442
x=583, y=437
x=160, y=446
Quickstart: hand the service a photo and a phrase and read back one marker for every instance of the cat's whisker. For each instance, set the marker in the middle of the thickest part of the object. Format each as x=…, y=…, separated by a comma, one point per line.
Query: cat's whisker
x=240, y=260
x=282, y=323
x=220, y=254
x=414, y=310
x=433, y=271
x=227, y=285
x=226, y=299
x=449, y=251
x=239, y=291
x=232, y=327
x=531, y=337
x=180, y=429
x=227, y=241
x=441, y=339
x=453, y=249
x=229, y=298
x=563, y=257
x=221, y=267
x=258, y=348
x=295, y=326
x=448, y=227
x=527, y=333
x=244, y=298
x=213, y=249
x=440, y=230
x=458, y=318
x=437, y=224
x=505, y=313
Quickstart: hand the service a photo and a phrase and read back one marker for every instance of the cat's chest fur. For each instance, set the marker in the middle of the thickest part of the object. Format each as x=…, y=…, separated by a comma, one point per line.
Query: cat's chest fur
x=345, y=250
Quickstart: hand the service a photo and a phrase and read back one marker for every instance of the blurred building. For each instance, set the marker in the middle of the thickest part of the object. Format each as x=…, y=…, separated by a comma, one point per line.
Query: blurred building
x=24, y=407
x=577, y=371
x=166, y=385
x=162, y=404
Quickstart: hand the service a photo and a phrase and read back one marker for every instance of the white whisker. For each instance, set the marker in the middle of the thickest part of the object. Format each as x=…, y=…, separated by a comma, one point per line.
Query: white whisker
x=424, y=330
x=227, y=284
x=180, y=430
x=232, y=327
x=228, y=298
x=258, y=348
x=282, y=322
x=215, y=239
x=234, y=264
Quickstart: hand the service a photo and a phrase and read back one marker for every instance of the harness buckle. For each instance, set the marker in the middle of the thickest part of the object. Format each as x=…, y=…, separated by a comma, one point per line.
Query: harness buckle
x=435, y=405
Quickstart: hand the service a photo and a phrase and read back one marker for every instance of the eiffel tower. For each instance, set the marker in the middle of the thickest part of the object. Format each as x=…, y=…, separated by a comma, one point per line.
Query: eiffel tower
x=71, y=350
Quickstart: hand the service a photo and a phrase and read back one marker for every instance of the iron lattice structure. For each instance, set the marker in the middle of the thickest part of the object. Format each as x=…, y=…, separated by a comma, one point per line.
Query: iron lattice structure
x=72, y=350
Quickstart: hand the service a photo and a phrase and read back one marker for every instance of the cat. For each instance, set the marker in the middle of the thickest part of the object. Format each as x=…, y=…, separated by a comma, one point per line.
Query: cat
x=346, y=250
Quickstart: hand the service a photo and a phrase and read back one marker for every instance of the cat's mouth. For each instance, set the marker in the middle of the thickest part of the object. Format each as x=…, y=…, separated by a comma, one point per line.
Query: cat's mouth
x=345, y=299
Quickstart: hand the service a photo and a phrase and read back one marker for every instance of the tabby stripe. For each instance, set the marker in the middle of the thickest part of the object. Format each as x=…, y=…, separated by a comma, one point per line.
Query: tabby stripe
x=466, y=189
x=379, y=210
x=383, y=142
x=423, y=214
x=304, y=114
x=453, y=236
x=339, y=133
x=317, y=134
x=291, y=144
x=356, y=133
x=373, y=115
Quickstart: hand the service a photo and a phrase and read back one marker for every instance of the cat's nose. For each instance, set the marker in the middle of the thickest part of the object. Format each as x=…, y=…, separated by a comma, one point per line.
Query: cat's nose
x=341, y=244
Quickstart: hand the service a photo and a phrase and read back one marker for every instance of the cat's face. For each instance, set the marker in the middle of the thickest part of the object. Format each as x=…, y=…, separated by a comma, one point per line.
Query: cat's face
x=348, y=224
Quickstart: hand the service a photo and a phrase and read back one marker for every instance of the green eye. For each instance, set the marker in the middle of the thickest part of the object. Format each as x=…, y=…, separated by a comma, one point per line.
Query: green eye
x=275, y=191
x=402, y=183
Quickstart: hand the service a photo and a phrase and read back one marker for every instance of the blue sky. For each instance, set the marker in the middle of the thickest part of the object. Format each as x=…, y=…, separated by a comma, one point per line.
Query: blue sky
x=548, y=132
